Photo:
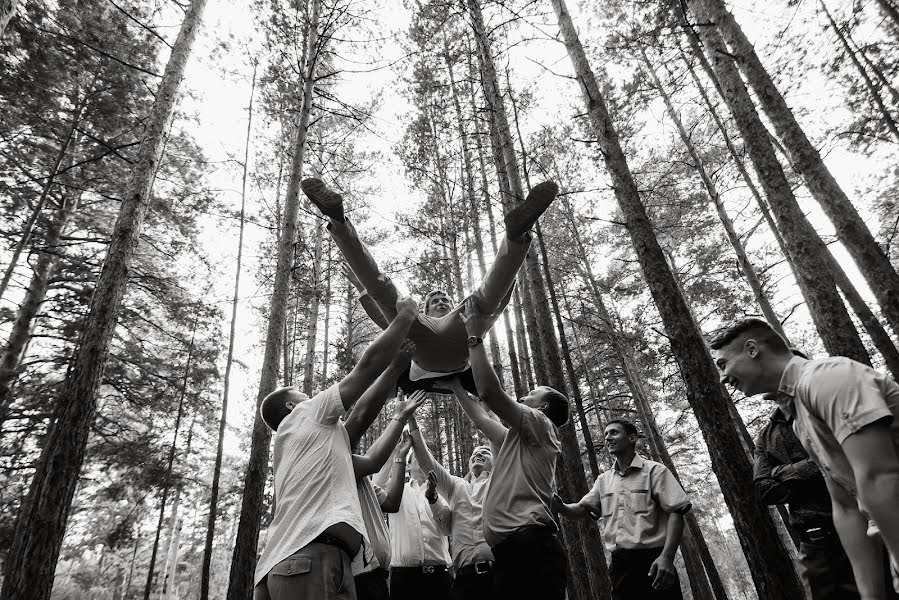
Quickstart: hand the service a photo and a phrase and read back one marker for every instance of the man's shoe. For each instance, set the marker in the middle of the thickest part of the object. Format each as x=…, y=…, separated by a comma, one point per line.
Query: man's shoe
x=329, y=203
x=520, y=219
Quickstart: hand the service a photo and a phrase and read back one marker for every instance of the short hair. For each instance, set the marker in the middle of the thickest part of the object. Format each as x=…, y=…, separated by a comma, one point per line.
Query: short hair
x=424, y=303
x=557, y=406
x=629, y=428
x=759, y=329
x=273, y=407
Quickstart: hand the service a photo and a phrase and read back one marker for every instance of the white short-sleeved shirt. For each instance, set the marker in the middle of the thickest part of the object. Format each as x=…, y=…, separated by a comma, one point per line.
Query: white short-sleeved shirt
x=829, y=400
x=522, y=483
x=417, y=537
x=635, y=505
x=376, y=553
x=466, y=500
x=315, y=486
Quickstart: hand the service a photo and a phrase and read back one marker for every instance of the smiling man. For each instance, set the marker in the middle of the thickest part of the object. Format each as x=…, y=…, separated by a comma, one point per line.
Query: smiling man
x=845, y=416
x=642, y=506
x=438, y=335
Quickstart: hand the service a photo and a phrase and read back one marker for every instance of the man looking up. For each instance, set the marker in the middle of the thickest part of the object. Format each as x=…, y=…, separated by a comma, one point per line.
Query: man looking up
x=472, y=557
x=518, y=521
x=317, y=527
x=438, y=335
x=844, y=414
x=642, y=506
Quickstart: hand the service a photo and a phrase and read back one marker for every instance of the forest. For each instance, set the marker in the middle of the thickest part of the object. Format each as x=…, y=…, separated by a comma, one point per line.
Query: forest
x=162, y=272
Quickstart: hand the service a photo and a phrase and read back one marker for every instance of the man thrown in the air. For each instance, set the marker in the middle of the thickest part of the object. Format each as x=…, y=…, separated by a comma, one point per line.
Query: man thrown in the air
x=439, y=336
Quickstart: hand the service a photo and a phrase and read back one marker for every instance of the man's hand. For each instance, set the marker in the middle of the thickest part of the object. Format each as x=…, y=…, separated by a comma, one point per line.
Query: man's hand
x=476, y=323
x=405, y=408
x=402, y=360
x=405, y=445
x=431, y=490
x=407, y=308
x=663, y=573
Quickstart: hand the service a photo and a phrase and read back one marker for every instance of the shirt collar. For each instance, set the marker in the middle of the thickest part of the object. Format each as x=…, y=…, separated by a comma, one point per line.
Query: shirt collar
x=637, y=463
x=787, y=388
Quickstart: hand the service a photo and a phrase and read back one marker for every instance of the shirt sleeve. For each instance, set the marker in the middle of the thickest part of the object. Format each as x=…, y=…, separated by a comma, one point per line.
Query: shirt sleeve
x=668, y=491
x=846, y=395
x=443, y=516
x=326, y=407
x=534, y=427
x=593, y=498
x=770, y=488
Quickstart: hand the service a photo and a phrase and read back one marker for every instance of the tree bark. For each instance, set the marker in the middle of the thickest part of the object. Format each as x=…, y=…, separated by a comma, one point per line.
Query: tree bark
x=587, y=567
x=243, y=562
x=314, y=305
x=805, y=248
x=851, y=230
x=863, y=73
x=229, y=361
x=41, y=523
x=7, y=10
x=768, y=559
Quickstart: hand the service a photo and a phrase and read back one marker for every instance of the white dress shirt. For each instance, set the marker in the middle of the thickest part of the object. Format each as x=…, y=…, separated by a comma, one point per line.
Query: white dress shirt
x=418, y=533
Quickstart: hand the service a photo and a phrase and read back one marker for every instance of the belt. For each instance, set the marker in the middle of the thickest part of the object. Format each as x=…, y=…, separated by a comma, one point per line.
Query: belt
x=330, y=540
x=817, y=534
x=424, y=569
x=531, y=533
x=479, y=568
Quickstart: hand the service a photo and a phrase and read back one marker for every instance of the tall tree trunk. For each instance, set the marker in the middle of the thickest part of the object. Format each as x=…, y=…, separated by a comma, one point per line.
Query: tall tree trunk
x=7, y=10
x=243, y=562
x=326, y=328
x=746, y=267
x=173, y=450
x=768, y=559
x=587, y=567
x=42, y=519
x=229, y=361
x=850, y=228
x=804, y=246
x=12, y=353
x=873, y=92
x=28, y=228
x=878, y=334
x=312, y=314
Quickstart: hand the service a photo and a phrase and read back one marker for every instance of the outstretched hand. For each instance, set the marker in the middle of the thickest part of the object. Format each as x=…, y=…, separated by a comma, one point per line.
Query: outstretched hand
x=476, y=323
x=407, y=308
x=431, y=490
x=405, y=408
x=404, y=358
x=405, y=445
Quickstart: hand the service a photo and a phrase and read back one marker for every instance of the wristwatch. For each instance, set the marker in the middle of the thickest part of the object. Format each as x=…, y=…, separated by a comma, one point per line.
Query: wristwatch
x=474, y=340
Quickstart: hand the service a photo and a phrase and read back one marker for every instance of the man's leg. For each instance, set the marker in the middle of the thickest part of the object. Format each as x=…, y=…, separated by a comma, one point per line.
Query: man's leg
x=493, y=291
x=316, y=572
x=535, y=569
x=372, y=585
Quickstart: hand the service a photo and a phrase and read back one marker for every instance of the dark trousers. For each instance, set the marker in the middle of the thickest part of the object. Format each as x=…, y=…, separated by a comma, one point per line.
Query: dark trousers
x=530, y=564
x=629, y=573
x=415, y=583
x=826, y=569
x=372, y=585
x=473, y=587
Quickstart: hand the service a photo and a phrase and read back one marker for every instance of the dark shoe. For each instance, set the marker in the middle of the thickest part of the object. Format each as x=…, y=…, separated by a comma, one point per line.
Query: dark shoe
x=522, y=217
x=328, y=202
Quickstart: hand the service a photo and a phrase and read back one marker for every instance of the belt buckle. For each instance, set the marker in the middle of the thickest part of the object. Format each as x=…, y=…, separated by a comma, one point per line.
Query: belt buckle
x=481, y=568
x=427, y=569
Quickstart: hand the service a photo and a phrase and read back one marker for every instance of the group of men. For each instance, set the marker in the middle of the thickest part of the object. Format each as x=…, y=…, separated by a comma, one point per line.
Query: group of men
x=495, y=532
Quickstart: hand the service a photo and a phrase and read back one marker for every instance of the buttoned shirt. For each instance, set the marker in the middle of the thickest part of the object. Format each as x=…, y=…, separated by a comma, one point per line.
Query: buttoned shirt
x=784, y=472
x=635, y=504
x=466, y=501
x=418, y=531
x=315, y=486
x=831, y=398
x=522, y=483
x=376, y=553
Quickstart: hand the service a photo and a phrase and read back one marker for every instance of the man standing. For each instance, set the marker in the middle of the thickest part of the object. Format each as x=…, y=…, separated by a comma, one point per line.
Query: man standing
x=438, y=335
x=518, y=520
x=317, y=527
x=419, y=552
x=844, y=414
x=784, y=473
x=642, y=506
x=472, y=557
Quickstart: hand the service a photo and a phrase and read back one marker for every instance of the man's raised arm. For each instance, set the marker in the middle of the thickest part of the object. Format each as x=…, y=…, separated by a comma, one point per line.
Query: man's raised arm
x=495, y=432
x=379, y=353
x=426, y=460
x=381, y=449
x=372, y=401
x=489, y=387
